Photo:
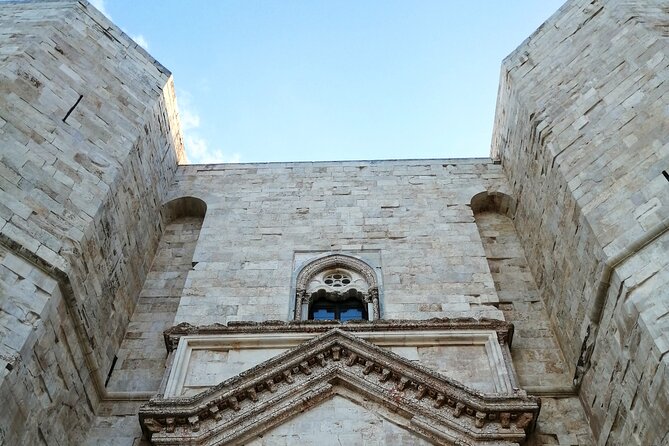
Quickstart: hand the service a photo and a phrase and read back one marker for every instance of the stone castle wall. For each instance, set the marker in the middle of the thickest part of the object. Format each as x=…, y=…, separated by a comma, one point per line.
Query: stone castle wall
x=409, y=218
x=93, y=267
x=537, y=357
x=581, y=129
x=413, y=219
x=88, y=143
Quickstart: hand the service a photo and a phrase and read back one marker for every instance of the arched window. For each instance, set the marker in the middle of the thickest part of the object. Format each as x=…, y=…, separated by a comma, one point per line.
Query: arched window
x=337, y=287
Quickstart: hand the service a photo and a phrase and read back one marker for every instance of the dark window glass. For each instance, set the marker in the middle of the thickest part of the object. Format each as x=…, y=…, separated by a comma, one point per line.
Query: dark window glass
x=326, y=310
x=350, y=314
x=323, y=314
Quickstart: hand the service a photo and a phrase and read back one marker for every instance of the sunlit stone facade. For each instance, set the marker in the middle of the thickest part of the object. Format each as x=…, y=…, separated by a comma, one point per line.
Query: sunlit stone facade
x=517, y=299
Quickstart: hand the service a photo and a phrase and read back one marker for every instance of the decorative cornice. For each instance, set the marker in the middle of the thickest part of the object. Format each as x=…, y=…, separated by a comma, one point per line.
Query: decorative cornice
x=503, y=329
x=265, y=395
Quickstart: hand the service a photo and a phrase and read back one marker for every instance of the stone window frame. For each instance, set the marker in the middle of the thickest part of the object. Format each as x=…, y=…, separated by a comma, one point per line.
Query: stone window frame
x=333, y=261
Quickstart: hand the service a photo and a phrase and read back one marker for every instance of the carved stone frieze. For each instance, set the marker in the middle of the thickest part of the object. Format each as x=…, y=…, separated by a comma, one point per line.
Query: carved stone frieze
x=440, y=409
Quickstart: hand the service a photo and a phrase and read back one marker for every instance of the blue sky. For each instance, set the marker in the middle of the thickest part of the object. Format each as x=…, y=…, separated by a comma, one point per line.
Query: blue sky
x=332, y=80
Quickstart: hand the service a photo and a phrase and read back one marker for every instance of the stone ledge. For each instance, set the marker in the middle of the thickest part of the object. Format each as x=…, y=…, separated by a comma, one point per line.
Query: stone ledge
x=503, y=329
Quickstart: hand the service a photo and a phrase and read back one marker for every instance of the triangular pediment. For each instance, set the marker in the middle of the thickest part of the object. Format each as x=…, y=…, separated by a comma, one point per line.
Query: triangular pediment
x=435, y=407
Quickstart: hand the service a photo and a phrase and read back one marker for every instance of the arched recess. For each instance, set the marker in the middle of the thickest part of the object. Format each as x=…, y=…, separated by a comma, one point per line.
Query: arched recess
x=494, y=201
x=182, y=220
x=536, y=355
x=141, y=358
x=183, y=207
x=336, y=278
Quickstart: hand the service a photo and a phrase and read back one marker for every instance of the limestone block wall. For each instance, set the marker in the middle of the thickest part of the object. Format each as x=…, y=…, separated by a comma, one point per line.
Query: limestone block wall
x=413, y=217
x=537, y=358
x=88, y=143
x=581, y=129
x=535, y=351
x=626, y=391
x=39, y=358
x=140, y=364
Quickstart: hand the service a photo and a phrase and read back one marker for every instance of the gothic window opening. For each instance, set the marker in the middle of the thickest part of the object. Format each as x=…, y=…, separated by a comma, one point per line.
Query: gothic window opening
x=337, y=287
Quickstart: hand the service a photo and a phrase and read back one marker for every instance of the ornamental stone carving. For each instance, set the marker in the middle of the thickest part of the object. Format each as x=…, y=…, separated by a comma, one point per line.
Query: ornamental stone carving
x=440, y=409
x=336, y=277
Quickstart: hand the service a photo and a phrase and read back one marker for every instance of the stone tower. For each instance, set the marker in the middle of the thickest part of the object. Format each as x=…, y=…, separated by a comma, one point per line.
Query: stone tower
x=520, y=299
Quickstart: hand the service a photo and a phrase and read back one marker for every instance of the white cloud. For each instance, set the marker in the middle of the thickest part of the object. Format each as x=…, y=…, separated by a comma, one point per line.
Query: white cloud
x=199, y=152
x=100, y=6
x=141, y=41
x=198, y=149
x=189, y=118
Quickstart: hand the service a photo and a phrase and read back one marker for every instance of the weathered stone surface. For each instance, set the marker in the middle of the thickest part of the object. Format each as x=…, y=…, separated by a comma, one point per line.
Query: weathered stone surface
x=339, y=421
x=537, y=356
x=431, y=405
x=581, y=129
x=41, y=391
x=566, y=238
x=433, y=264
x=562, y=421
x=88, y=143
x=141, y=358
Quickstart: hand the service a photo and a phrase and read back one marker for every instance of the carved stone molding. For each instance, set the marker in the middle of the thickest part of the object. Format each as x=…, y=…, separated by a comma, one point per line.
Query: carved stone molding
x=439, y=409
x=320, y=278
x=335, y=261
x=503, y=329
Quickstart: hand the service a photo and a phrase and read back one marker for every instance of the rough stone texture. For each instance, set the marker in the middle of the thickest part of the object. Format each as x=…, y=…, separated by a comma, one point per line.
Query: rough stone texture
x=536, y=354
x=626, y=391
x=535, y=351
x=414, y=213
x=115, y=431
x=581, y=129
x=89, y=148
x=335, y=422
x=88, y=142
x=141, y=358
x=40, y=358
x=26, y=290
x=562, y=422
